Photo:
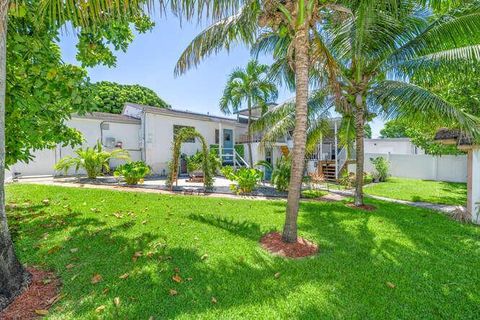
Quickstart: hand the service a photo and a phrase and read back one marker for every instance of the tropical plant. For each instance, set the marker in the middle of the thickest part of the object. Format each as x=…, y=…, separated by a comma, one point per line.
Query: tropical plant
x=94, y=160
x=280, y=173
x=195, y=161
x=251, y=88
x=246, y=179
x=132, y=172
x=313, y=193
x=381, y=169
x=182, y=135
x=111, y=97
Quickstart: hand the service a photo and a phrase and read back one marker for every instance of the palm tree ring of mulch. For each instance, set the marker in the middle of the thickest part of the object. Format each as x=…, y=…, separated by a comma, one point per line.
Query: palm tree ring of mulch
x=37, y=298
x=273, y=243
x=364, y=207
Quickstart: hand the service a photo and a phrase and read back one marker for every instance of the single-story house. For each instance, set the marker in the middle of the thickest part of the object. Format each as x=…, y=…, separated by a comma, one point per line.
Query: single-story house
x=392, y=146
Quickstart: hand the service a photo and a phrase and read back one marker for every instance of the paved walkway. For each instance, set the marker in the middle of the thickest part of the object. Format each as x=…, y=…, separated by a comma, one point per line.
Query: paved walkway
x=335, y=195
x=433, y=206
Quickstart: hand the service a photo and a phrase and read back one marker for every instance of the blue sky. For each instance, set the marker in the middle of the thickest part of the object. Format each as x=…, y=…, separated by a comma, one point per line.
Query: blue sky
x=150, y=60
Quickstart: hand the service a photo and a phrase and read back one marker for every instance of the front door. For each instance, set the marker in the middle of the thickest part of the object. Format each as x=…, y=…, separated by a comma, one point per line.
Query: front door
x=269, y=159
x=227, y=147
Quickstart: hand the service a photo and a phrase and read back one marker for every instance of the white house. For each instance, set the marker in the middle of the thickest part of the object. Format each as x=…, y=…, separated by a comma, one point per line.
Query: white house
x=146, y=133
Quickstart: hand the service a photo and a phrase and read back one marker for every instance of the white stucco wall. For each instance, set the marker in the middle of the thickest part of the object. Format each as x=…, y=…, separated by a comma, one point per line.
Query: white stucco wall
x=475, y=185
x=159, y=137
x=427, y=167
x=45, y=160
x=393, y=146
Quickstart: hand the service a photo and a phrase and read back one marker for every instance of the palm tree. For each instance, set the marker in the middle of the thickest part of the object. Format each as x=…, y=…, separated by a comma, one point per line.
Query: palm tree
x=376, y=49
x=295, y=19
x=250, y=86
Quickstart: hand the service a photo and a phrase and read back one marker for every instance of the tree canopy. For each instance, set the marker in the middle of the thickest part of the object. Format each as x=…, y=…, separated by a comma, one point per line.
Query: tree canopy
x=42, y=91
x=111, y=97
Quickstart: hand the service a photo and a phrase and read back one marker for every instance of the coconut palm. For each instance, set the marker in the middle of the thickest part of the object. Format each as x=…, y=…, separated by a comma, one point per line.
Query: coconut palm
x=294, y=19
x=248, y=86
x=376, y=50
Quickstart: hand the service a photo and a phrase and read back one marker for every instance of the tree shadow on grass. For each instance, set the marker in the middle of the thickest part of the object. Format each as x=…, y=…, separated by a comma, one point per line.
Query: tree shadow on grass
x=359, y=253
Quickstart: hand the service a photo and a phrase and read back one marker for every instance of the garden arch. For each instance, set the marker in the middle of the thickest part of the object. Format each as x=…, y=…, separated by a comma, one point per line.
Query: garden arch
x=181, y=136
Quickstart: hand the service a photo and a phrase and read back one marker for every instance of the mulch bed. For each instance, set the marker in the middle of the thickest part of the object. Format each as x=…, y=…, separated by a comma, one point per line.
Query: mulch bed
x=272, y=242
x=365, y=207
x=37, y=298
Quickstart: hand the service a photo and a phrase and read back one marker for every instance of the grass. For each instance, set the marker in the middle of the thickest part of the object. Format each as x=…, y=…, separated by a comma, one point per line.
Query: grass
x=420, y=191
x=397, y=262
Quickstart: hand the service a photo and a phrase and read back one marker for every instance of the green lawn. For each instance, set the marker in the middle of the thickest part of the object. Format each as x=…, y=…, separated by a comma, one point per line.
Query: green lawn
x=398, y=262
x=420, y=191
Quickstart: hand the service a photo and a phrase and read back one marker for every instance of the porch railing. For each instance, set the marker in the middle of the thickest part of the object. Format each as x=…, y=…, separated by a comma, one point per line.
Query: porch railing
x=342, y=160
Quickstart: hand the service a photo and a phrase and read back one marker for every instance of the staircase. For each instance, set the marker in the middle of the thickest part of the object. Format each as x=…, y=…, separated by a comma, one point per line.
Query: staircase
x=285, y=150
x=327, y=168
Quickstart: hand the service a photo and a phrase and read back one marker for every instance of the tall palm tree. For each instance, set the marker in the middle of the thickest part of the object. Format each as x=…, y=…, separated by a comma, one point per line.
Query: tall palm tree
x=378, y=48
x=248, y=86
x=295, y=18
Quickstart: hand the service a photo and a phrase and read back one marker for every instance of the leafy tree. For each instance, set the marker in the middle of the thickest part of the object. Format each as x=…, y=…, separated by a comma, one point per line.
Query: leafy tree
x=394, y=129
x=111, y=97
x=248, y=86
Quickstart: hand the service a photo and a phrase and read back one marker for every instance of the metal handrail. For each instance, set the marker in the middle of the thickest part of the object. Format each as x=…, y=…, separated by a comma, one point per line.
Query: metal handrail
x=342, y=159
x=243, y=162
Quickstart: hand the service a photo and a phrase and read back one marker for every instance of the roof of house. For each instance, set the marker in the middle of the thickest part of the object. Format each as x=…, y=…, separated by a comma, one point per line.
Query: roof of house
x=462, y=139
x=110, y=117
x=181, y=113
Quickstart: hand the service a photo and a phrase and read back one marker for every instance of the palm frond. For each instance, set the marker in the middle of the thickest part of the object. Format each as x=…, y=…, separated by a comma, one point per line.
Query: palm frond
x=411, y=102
x=238, y=28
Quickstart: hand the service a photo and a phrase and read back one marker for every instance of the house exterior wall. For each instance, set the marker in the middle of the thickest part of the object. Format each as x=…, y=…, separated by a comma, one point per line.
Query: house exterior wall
x=45, y=160
x=393, y=146
x=427, y=167
x=159, y=137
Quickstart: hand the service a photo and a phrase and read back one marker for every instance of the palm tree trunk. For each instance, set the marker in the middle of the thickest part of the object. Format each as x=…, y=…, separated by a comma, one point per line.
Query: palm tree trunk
x=299, y=134
x=13, y=277
x=250, y=155
x=359, y=136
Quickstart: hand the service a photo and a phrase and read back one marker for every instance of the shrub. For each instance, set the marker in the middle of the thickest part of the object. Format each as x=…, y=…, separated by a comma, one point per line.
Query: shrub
x=349, y=179
x=195, y=162
x=246, y=179
x=132, y=172
x=381, y=169
x=313, y=194
x=93, y=160
x=280, y=173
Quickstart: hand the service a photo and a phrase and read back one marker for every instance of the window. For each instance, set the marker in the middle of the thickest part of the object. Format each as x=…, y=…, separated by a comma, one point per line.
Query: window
x=176, y=128
x=217, y=136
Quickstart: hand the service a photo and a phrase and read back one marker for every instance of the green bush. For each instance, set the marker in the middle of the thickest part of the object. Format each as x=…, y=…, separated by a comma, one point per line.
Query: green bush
x=313, y=194
x=132, y=172
x=381, y=169
x=349, y=179
x=246, y=179
x=195, y=162
x=93, y=160
x=280, y=173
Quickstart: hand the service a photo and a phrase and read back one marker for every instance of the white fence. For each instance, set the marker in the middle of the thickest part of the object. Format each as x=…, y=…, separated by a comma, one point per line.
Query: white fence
x=427, y=167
